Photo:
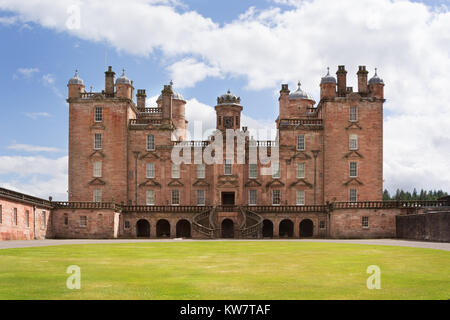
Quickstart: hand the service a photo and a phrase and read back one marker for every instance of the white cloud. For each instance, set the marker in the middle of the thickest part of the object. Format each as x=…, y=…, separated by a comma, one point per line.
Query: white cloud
x=187, y=72
x=39, y=176
x=37, y=115
x=31, y=148
x=49, y=81
x=25, y=73
x=408, y=41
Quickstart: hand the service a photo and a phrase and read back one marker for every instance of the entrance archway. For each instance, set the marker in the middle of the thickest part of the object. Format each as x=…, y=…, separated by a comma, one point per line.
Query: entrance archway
x=183, y=229
x=306, y=228
x=267, y=229
x=163, y=229
x=143, y=229
x=227, y=228
x=286, y=229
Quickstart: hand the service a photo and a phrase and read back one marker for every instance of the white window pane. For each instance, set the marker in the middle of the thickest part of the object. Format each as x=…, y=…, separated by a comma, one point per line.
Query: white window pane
x=150, y=142
x=175, y=197
x=150, y=197
x=276, y=197
x=97, y=169
x=97, y=141
x=150, y=170
x=98, y=114
x=353, y=114
x=97, y=195
x=300, y=197
x=301, y=142
x=353, y=169
x=353, y=142
x=301, y=170
x=228, y=167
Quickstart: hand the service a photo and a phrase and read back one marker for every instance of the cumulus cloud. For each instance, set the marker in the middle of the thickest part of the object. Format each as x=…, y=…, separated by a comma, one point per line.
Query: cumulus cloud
x=37, y=115
x=32, y=148
x=408, y=41
x=25, y=73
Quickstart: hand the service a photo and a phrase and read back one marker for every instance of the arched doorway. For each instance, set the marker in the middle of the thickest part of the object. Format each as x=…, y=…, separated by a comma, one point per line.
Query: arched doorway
x=183, y=229
x=143, y=229
x=286, y=229
x=227, y=228
x=306, y=228
x=267, y=229
x=163, y=229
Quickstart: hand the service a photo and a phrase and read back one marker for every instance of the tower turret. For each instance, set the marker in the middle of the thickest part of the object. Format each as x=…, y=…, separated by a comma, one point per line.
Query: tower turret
x=124, y=86
x=376, y=86
x=328, y=86
x=75, y=85
x=228, y=112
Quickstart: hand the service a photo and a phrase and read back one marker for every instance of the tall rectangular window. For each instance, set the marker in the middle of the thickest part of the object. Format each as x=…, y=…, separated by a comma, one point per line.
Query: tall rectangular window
x=365, y=222
x=353, y=114
x=66, y=219
x=253, y=171
x=228, y=167
x=150, y=198
x=175, y=197
x=1, y=214
x=276, y=173
x=44, y=219
x=15, y=216
x=301, y=170
x=150, y=174
x=301, y=142
x=200, y=197
x=150, y=142
x=175, y=171
x=83, y=221
x=97, y=141
x=300, y=197
x=276, y=197
x=27, y=218
x=98, y=117
x=353, y=169
x=97, y=195
x=201, y=171
x=353, y=143
x=97, y=169
x=253, y=197
x=353, y=197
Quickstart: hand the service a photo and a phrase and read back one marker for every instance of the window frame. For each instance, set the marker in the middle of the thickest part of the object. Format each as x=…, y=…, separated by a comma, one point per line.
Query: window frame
x=303, y=170
x=250, y=198
x=98, y=143
x=276, y=170
x=253, y=168
x=353, y=138
x=279, y=197
x=15, y=218
x=353, y=116
x=27, y=218
x=97, y=169
x=355, y=191
x=150, y=142
x=97, y=195
x=365, y=222
x=176, y=171
x=96, y=114
x=1, y=214
x=355, y=175
x=147, y=197
x=201, y=171
x=148, y=170
x=172, y=193
x=201, y=191
x=301, y=142
x=227, y=167
x=43, y=219
x=82, y=223
x=297, y=192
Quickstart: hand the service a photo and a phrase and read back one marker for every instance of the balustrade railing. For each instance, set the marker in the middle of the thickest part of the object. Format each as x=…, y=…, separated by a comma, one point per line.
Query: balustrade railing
x=85, y=205
x=144, y=121
x=306, y=122
x=184, y=209
x=13, y=195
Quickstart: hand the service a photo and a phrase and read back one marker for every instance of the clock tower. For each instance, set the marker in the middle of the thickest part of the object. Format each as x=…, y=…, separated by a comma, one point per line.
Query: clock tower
x=228, y=112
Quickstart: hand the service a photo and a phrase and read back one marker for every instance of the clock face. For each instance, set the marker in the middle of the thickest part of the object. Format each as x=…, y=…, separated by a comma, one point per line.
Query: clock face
x=228, y=122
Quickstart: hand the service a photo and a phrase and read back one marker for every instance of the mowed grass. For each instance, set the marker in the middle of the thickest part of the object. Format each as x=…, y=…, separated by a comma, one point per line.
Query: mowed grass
x=224, y=270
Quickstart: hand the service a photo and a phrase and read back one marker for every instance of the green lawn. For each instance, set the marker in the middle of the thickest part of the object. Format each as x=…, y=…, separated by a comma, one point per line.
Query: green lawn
x=224, y=270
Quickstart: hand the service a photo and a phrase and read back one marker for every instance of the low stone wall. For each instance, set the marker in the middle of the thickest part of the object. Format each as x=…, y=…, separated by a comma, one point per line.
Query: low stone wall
x=97, y=224
x=433, y=226
x=347, y=223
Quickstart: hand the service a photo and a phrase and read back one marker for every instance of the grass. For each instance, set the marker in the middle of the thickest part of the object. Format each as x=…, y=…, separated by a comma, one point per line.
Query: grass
x=224, y=270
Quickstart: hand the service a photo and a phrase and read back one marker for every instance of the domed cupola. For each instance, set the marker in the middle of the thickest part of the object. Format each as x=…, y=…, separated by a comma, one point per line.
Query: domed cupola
x=228, y=99
x=175, y=95
x=76, y=79
x=300, y=94
x=375, y=79
x=123, y=79
x=328, y=78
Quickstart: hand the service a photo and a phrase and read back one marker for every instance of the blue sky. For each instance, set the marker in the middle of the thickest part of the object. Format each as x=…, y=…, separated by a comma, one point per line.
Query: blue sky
x=207, y=47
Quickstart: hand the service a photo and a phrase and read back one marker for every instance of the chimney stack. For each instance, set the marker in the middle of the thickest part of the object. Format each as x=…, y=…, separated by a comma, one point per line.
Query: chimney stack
x=362, y=80
x=141, y=96
x=109, y=81
x=341, y=81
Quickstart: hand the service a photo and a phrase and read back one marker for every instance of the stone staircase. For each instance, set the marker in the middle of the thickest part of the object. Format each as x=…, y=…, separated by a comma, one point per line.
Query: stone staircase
x=251, y=227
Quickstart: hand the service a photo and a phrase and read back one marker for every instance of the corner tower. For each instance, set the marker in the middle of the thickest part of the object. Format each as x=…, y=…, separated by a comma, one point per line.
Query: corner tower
x=228, y=112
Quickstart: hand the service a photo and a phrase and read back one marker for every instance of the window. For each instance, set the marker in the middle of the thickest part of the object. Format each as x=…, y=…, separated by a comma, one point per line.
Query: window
x=44, y=219
x=237, y=121
x=175, y=197
x=301, y=142
x=150, y=198
x=276, y=170
x=175, y=171
x=219, y=118
x=301, y=170
x=97, y=169
x=127, y=224
x=15, y=216
x=66, y=220
x=365, y=222
x=27, y=218
x=353, y=114
x=200, y=197
x=97, y=195
x=97, y=141
x=150, y=142
x=201, y=171
x=1, y=214
x=353, y=195
x=228, y=167
x=98, y=114
x=353, y=169
x=253, y=197
x=83, y=221
x=150, y=170
x=322, y=224
x=276, y=197
x=300, y=197
x=253, y=171
x=353, y=144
